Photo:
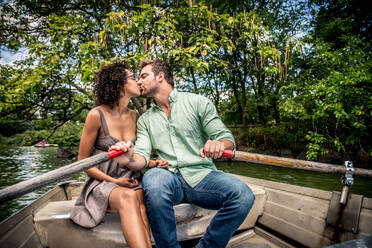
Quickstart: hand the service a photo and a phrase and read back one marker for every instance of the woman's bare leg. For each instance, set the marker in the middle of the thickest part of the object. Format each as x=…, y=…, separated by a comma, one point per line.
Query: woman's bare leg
x=125, y=201
x=145, y=220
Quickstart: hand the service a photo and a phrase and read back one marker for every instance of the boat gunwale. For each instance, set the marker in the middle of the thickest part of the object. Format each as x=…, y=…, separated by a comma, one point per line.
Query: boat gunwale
x=9, y=223
x=307, y=191
x=60, y=193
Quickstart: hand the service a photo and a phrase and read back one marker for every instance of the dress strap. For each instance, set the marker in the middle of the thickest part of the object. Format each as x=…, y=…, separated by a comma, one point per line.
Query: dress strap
x=103, y=121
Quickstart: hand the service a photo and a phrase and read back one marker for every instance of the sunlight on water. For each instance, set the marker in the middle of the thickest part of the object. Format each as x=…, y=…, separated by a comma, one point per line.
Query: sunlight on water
x=21, y=163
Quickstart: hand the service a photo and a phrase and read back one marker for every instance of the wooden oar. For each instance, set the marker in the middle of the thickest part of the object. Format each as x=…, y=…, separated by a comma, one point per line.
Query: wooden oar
x=30, y=185
x=50, y=177
x=295, y=163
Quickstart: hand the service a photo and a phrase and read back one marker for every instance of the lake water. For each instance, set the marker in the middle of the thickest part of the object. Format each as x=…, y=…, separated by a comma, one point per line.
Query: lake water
x=21, y=163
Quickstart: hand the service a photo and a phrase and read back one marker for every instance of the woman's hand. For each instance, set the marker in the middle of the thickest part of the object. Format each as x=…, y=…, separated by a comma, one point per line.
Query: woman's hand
x=161, y=163
x=127, y=182
x=127, y=148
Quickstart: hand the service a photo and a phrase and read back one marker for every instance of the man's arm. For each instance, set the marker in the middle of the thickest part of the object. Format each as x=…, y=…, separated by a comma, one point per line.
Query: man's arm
x=221, y=137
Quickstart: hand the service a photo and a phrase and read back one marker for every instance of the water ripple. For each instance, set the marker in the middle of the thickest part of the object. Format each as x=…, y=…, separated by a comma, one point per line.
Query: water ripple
x=22, y=163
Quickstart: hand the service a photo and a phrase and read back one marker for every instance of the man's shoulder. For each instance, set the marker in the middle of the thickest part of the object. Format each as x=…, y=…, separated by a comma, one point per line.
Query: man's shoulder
x=147, y=114
x=192, y=96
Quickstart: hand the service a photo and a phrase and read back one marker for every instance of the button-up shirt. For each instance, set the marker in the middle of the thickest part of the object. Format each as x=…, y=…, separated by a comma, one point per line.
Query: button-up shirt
x=193, y=119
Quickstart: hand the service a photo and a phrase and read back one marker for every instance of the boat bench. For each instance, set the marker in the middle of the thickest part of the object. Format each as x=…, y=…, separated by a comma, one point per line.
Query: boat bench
x=55, y=228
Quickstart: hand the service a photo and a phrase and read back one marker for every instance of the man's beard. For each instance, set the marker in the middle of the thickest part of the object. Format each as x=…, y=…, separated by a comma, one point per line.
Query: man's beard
x=149, y=93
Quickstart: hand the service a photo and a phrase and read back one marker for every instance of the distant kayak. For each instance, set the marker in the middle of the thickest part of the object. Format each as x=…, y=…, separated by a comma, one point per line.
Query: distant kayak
x=45, y=145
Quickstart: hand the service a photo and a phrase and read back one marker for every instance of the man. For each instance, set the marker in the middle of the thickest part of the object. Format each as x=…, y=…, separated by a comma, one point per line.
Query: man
x=185, y=129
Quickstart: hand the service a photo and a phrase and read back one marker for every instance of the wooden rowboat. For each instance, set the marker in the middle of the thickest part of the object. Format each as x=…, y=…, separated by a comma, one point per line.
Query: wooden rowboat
x=46, y=145
x=283, y=215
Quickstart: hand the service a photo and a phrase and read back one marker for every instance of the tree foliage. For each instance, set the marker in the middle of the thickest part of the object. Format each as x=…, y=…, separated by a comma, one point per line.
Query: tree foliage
x=265, y=62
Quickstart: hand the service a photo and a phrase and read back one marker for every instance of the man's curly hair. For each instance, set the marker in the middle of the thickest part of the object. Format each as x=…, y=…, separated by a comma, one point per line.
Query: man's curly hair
x=109, y=82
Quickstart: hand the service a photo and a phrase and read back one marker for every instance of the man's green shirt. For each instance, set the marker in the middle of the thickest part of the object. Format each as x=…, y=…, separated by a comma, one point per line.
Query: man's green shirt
x=192, y=121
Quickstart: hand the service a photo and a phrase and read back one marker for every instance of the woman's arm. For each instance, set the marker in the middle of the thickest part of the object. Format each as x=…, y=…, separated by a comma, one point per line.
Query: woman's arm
x=88, y=138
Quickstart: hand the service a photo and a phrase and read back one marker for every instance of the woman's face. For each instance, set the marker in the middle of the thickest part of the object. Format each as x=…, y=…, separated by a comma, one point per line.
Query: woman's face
x=131, y=88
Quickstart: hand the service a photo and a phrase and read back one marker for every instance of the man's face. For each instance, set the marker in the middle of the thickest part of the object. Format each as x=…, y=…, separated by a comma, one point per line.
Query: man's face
x=147, y=82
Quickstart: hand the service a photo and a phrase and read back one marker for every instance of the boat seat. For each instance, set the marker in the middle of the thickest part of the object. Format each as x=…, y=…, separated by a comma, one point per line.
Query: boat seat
x=55, y=229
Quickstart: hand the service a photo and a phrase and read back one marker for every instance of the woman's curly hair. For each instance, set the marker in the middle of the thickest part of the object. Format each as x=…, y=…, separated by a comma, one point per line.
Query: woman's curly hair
x=109, y=82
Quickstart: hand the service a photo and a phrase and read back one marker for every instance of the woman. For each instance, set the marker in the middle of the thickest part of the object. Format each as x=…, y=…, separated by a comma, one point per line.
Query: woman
x=110, y=186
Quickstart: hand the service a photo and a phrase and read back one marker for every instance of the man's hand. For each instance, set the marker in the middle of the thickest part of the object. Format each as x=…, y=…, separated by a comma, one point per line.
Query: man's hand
x=161, y=163
x=127, y=182
x=212, y=149
x=127, y=148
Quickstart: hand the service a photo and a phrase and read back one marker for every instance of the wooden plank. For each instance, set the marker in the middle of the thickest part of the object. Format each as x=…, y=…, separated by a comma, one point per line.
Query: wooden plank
x=238, y=239
x=272, y=238
x=367, y=203
x=316, y=193
x=54, y=194
x=250, y=239
x=19, y=235
x=295, y=217
x=305, y=204
x=73, y=190
x=297, y=233
x=365, y=222
x=32, y=242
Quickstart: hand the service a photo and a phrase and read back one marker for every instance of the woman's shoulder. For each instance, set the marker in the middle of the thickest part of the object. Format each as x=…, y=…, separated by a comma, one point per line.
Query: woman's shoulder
x=94, y=113
x=93, y=116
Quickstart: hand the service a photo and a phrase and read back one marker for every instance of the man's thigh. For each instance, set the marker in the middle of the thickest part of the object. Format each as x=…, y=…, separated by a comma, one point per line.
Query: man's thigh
x=160, y=184
x=214, y=190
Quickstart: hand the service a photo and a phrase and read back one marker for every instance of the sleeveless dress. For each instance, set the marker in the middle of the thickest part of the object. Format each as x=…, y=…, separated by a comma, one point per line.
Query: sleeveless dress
x=91, y=206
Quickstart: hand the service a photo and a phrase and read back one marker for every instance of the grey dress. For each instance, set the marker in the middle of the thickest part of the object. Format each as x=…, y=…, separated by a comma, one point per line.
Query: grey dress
x=92, y=203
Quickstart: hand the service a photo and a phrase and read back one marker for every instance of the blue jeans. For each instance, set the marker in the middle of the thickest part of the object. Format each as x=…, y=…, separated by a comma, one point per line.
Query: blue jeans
x=219, y=191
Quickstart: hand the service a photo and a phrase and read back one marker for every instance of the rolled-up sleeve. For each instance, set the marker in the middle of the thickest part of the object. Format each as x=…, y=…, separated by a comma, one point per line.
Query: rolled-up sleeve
x=143, y=145
x=212, y=123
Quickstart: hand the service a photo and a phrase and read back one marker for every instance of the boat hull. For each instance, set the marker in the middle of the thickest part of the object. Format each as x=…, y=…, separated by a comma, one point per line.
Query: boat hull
x=46, y=145
x=283, y=215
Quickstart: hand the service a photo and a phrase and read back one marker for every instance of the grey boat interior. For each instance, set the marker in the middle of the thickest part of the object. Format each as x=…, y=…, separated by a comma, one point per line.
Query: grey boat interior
x=283, y=215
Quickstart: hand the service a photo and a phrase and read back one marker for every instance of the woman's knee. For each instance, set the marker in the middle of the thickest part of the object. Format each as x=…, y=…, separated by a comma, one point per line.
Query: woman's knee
x=127, y=196
x=143, y=209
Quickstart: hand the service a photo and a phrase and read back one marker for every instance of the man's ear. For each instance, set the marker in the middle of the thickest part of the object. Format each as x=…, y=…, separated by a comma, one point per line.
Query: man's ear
x=160, y=76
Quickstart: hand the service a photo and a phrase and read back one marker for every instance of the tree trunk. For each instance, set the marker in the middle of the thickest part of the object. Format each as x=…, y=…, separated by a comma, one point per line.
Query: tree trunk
x=244, y=103
x=236, y=95
x=262, y=115
x=194, y=80
x=275, y=107
x=242, y=85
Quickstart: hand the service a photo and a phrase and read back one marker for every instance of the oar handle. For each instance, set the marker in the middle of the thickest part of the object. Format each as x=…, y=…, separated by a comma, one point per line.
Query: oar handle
x=114, y=153
x=228, y=154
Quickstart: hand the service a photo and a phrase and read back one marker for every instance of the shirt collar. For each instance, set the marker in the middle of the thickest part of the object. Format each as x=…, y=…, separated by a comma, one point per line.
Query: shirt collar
x=173, y=95
x=172, y=98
